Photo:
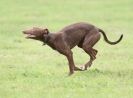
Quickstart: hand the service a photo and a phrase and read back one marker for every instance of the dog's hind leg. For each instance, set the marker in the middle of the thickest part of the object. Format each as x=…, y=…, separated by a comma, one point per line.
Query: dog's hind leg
x=92, y=53
x=90, y=40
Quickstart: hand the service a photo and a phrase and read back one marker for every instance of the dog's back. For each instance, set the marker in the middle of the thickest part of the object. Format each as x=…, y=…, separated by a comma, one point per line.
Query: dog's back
x=75, y=33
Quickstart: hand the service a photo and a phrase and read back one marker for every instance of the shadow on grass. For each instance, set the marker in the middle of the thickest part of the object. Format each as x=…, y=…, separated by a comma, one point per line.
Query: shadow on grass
x=89, y=73
x=119, y=73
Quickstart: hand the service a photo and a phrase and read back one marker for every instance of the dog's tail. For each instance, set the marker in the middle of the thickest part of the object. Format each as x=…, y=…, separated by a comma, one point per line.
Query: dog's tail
x=106, y=39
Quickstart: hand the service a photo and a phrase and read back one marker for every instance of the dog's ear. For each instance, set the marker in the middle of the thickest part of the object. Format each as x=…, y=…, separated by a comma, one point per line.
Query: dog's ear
x=46, y=31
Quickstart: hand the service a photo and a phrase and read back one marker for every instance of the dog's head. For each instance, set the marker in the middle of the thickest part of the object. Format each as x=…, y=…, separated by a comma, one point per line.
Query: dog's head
x=36, y=33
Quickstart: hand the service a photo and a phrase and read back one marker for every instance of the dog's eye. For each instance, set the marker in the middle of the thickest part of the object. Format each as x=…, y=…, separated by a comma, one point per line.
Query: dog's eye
x=46, y=31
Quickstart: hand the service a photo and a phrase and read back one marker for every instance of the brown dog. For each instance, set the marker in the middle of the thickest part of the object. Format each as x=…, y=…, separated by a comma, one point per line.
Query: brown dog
x=83, y=35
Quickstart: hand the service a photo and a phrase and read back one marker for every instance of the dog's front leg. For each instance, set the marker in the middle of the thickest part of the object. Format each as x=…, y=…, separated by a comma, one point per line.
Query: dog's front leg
x=69, y=56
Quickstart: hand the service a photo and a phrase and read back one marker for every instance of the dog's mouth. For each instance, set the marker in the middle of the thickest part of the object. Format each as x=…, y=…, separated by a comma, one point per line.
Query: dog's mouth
x=28, y=35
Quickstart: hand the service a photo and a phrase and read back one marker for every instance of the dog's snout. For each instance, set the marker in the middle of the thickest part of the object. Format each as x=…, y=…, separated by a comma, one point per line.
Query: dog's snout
x=23, y=31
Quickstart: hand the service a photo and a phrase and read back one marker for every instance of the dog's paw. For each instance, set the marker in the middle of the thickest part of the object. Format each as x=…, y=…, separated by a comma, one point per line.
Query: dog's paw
x=83, y=68
x=77, y=69
x=70, y=73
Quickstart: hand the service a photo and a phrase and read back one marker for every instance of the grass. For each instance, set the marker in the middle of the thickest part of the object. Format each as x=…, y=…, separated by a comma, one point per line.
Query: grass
x=28, y=70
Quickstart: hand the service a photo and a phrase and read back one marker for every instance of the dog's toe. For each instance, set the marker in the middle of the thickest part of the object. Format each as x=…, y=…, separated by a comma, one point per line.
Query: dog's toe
x=83, y=68
x=70, y=73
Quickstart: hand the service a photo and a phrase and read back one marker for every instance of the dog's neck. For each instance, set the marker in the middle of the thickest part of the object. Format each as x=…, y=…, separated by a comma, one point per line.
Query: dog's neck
x=47, y=38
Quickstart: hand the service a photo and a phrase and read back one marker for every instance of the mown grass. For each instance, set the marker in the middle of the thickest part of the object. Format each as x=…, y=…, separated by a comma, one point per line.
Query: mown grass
x=28, y=70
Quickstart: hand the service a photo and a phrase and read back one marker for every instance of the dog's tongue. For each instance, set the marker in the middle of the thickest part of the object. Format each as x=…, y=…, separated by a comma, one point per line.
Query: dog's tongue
x=30, y=36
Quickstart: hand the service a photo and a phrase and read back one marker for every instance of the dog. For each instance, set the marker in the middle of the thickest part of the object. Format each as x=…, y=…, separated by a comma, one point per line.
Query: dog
x=80, y=34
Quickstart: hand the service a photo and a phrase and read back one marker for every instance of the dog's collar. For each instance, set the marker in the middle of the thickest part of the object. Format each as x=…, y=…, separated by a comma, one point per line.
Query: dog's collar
x=46, y=39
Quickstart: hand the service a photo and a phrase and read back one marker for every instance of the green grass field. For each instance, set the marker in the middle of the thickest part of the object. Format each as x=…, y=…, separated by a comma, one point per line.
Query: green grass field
x=30, y=70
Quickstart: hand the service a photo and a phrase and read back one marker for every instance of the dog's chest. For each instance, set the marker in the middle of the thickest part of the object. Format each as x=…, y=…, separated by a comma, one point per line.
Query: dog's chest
x=52, y=45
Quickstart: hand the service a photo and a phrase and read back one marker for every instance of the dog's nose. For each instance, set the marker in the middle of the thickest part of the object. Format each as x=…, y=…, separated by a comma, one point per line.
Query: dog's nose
x=24, y=32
